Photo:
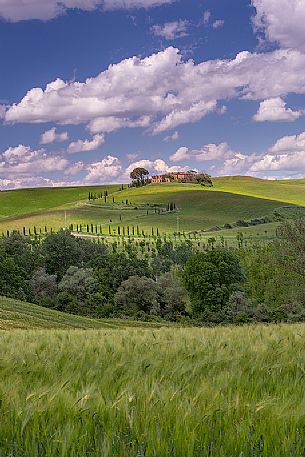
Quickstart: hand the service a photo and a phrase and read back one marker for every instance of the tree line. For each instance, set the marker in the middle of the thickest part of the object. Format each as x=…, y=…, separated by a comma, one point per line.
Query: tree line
x=175, y=283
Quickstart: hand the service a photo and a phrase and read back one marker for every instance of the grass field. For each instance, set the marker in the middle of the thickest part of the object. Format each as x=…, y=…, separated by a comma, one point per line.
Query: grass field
x=27, y=201
x=231, y=199
x=225, y=392
x=16, y=314
x=289, y=191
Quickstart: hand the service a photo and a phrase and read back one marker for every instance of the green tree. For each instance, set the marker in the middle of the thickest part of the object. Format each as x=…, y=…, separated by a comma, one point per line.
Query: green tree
x=139, y=174
x=174, y=299
x=79, y=282
x=210, y=278
x=136, y=295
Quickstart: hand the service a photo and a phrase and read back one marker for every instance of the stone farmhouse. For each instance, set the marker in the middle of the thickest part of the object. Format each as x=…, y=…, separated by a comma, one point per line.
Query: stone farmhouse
x=186, y=176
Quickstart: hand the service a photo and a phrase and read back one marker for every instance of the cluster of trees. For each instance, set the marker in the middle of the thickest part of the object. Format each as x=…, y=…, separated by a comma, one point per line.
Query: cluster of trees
x=264, y=283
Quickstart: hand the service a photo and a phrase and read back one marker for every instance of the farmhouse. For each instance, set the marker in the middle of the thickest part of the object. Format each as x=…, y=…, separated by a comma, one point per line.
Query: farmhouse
x=187, y=176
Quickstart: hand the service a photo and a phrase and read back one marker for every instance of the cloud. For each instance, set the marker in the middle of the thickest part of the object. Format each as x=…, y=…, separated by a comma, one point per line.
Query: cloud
x=181, y=154
x=132, y=155
x=112, y=123
x=50, y=136
x=209, y=152
x=274, y=109
x=162, y=91
x=173, y=137
x=289, y=144
x=281, y=21
x=106, y=170
x=206, y=17
x=86, y=145
x=193, y=113
x=23, y=161
x=158, y=166
x=75, y=168
x=171, y=30
x=19, y=10
x=218, y=24
x=286, y=158
x=2, y=111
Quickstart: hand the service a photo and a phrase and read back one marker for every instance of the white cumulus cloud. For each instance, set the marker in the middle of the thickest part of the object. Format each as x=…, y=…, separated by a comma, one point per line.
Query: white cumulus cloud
x=282, y=21
x=86, y=145
x=162, y=91
x=209, y=152
x=50, y=136
x=107, y=170
x=24, y=161
x=275, y=109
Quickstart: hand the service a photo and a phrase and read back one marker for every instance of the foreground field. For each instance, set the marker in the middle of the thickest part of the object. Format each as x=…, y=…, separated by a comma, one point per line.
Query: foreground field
x=16, y=314
x=224, y=392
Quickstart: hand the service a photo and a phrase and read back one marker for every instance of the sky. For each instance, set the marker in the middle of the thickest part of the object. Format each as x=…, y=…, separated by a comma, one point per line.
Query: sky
x=90, y=89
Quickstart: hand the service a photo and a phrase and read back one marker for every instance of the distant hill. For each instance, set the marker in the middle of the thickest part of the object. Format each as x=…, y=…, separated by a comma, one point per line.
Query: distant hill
x=232, y=198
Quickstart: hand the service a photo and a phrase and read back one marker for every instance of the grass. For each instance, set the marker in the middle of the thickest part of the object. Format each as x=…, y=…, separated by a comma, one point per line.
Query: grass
x=27, y=201
x=288, y=191
x=15, y=314
x=224, y=392
x=231, y=199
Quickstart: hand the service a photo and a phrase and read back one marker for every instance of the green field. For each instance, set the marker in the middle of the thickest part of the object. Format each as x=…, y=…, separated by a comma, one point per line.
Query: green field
x=289, y=191
x=16, y=314
x=224, y=392
x=198, y=208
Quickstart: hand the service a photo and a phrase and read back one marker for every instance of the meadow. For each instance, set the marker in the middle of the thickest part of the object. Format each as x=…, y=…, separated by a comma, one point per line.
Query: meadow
x=197, y=208
x=15, y=314
x=220, y=392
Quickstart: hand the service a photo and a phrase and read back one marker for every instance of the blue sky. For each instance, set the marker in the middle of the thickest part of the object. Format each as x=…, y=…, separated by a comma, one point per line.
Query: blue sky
x=90, y=89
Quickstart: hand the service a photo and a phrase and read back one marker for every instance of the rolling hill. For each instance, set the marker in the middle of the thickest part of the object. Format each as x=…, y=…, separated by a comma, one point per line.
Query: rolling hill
x=15, y=314
x=231, y=199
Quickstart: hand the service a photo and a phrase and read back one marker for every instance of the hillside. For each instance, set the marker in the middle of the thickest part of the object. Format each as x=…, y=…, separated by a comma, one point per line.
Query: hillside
x=26, y=201
x=288, y=191
x=231, y=199
x=15, y=314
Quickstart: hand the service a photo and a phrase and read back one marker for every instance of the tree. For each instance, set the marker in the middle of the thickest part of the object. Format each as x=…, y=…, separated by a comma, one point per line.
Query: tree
x=210, y=278
x=113, y=269
x=174, y=298
x=79, y=282
x=44, y=285
x=136, y=295
x=139, y=174
x=204, y=179
x=13, y=280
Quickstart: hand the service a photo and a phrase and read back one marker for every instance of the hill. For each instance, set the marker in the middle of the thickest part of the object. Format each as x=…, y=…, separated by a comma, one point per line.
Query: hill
x=198, y=208
x=15, y=314
x=288, y=191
